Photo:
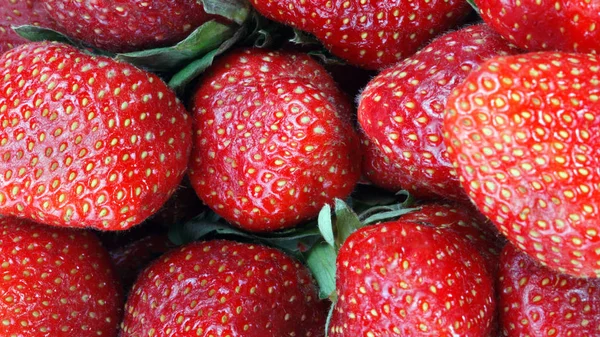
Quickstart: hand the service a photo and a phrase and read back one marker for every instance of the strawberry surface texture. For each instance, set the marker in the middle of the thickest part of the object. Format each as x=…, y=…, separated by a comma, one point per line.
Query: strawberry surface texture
x=17, y=13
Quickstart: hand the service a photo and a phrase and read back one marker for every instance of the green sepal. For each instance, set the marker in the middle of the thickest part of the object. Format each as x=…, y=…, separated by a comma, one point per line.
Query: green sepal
x=472, y=3
x=36, y=34
x=234, y=10
x=321, y=262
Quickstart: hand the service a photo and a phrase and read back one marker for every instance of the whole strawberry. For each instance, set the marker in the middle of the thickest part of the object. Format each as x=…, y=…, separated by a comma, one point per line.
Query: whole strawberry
x=564, y=25
x=522, y=132
x=127, y=25
x=371, y=34
x=20, y=12
x=401, y=110
x=273, y=140
x=538, y=302
x=406, y=279
x=224, y=288
x=86, y=141
x=55, y=282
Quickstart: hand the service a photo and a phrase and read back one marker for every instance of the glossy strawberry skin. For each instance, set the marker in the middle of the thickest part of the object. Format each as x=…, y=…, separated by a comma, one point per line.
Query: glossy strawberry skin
x=371, y=34
x=273, y=140
x=522, y=131
x=17, y=13
x=411, y=280
x=127, y=25
x=401, y=110
x=86, y=141
x=224, y=288
x=56, y=282
x=536, y=301
x=569, y=26
x=378, y=169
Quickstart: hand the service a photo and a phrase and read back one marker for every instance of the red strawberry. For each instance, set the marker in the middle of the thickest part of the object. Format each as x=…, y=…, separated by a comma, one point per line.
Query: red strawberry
x=410, y=280
x=401, y=110
x=86, y=141
x=566, y=25
x=55, y=282
x=224, y=288
x=535, y=301
x=273, y=141
x=127, y=25
x=522, y=131
x=372, y=34
x=378, y=169
x=17, y=13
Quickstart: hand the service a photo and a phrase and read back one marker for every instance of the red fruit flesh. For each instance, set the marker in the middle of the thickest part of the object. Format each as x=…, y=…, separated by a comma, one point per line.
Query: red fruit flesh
x=55, y=282
x=223, y=288
x=17, y=13
x=86, y=141
x=410, y=280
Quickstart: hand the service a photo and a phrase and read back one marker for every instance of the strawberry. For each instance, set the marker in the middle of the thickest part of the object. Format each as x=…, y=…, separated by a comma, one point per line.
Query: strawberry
x=378, y=169
x=522, y=132
x=536, y=301
x=407, y=279
x=86, y=141
x=570, y=26
x=371, y=34
x=224, y=288
x=55, y=282
x=127, y=25
x=401, y=110
x=17, y=13
x=273, y=140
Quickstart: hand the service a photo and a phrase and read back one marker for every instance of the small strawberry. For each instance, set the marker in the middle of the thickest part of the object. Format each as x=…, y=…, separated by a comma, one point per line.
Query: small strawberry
x=17, y=13
x=224, y=288
x=401, y=110
x=538, y=302
x=273, y=140
x=370, y=34
x=86, y=141
x=55, y=282
x=522, y=132
x=564, y=25
x=401, y=278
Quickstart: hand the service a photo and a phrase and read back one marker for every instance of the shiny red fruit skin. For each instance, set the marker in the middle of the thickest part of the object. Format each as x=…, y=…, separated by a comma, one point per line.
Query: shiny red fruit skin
x=401, y=110
x=273, y=140
x=127, y=25
x=56, y=282
x=17, y=13
x=378, y=169
x=86, y=141
x=562, y=25
x=371, y=34
x=411, y=280
x=224, y=288
x=536, y=301
x=522, y=132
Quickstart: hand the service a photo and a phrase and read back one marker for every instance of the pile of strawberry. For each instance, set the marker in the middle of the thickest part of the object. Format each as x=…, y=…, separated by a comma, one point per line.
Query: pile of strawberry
x=199, y=168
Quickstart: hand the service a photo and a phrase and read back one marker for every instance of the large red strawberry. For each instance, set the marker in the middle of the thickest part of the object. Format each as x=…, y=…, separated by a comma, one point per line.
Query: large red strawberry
x=401, y=110
x=55, y=282
x=224, y=288
x=522, y=131
x=17, y=13
x=565, y=25
x=273, y=140
x=368, y=33
x=405, y=279
x=86, y=141
x=538, y=302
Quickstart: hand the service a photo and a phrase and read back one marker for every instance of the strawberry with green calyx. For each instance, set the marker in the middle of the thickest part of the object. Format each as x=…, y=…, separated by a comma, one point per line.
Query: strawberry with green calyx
x=273, y=140
x=20, y=12
x=401, y=113
x=521, y=132
x=56, y=282
x=86, y=141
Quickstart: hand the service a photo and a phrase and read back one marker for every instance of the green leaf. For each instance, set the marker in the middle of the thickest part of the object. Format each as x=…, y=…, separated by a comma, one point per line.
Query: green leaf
x=387, y=215
x=346, y=221
x=472, y=3
x=234, y=10
x=326, y=225
x=328, y=321
x=36, y=33
x=321, y=261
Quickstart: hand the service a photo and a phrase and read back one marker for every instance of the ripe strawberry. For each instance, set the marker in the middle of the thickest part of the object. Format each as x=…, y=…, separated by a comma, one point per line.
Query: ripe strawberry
x=522, y=131
x=370, y=34
x=379, y=170
x=401, y=110
x=273, y=141
x=127, y=25
x=224, y=288
x=536, y=301
x=411, y=280
x=570, y=26
x=86, y=141
x=17, y=13
x=55, y=282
